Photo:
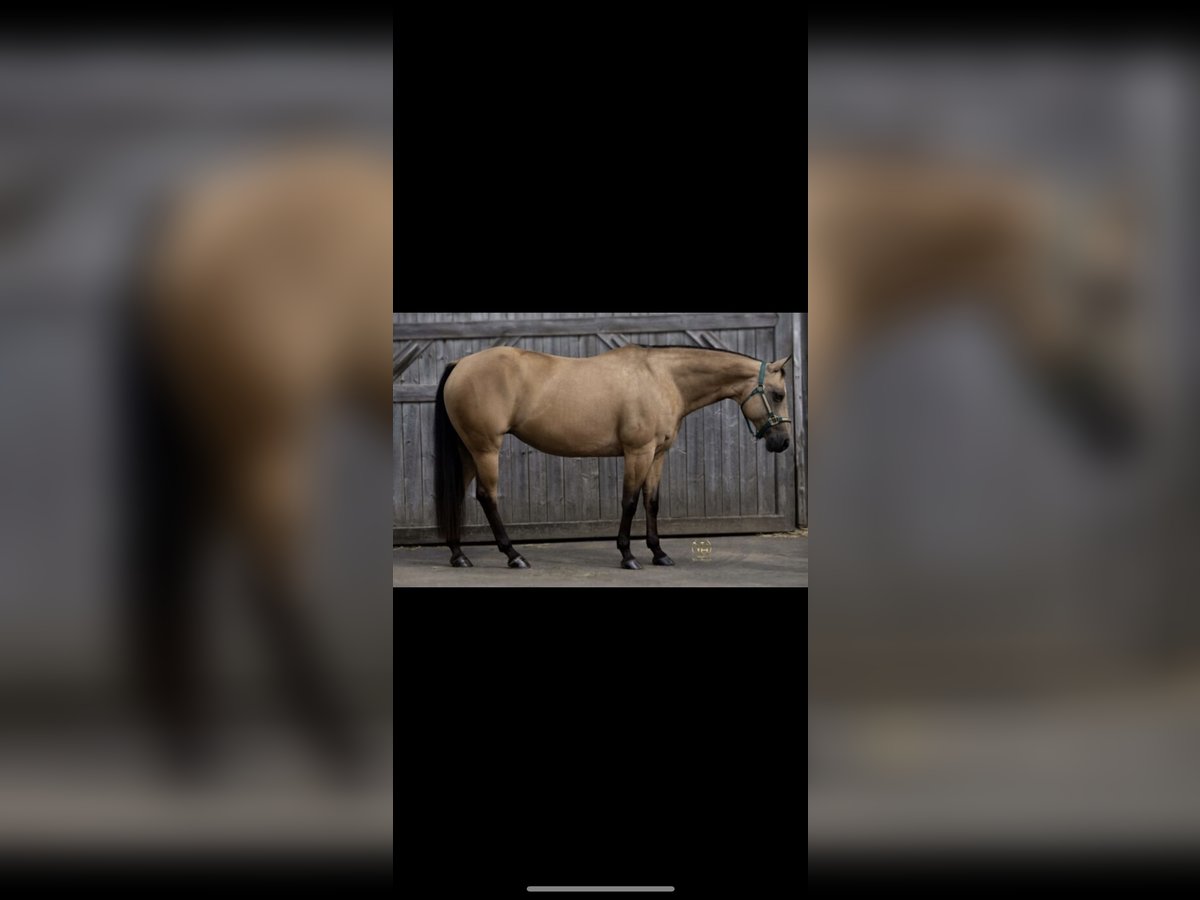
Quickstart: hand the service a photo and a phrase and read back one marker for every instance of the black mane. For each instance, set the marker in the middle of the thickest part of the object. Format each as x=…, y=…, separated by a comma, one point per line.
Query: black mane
x=709, y=349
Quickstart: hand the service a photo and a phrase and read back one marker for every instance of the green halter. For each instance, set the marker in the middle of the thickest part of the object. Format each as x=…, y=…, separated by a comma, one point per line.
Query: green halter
x=772, y=419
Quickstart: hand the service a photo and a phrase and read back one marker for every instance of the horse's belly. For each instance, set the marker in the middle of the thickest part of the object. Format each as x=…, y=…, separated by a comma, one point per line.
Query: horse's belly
x=556, y=444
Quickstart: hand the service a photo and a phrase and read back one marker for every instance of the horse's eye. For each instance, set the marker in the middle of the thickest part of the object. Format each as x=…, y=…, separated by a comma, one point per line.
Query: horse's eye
x=778, y=398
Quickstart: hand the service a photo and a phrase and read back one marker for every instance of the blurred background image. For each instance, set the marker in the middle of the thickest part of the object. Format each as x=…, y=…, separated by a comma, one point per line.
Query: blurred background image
x=190, y=251
x=1004, y=646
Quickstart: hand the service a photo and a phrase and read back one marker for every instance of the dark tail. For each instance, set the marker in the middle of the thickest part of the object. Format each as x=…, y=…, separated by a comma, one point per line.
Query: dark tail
x=163, y=486
x=448, y=486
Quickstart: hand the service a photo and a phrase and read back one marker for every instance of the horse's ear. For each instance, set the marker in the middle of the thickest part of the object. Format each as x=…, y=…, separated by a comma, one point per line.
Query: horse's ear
x=778, y=365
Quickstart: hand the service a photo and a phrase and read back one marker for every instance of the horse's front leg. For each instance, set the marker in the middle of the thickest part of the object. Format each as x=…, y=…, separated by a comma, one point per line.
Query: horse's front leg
x=637, y=466
x=650, y=490
x=487, y=481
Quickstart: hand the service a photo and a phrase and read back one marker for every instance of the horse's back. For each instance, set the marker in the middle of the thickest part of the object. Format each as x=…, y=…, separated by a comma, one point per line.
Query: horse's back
x=532, y=364
x=541, y=397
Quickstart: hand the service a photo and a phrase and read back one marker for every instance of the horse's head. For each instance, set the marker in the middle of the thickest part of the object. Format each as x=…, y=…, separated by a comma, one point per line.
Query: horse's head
x=767, y=410
x=1084, y=325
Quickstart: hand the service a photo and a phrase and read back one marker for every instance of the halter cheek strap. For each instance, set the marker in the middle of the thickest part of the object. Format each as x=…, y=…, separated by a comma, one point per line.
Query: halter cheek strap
x=772, y=419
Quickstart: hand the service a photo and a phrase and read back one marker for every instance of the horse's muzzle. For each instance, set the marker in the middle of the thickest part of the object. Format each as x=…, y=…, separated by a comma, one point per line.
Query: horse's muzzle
x=777, y=443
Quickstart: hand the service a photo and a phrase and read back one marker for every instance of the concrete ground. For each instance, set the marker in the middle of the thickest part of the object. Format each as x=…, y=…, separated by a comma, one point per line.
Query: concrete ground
x=102, y=788
x=763, y=560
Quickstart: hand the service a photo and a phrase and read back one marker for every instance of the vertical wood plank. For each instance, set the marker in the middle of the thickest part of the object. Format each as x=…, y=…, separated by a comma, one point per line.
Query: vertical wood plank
x=696, y=465
x=764, y=342
x=799, y=425
x=731, y=482
x=747, y=446
x=424, y=414
x=590, y=485
x=610, y=487
x=412, y=465
x=677, y=466
x=397, y=466
x=518, y=503
x=664, y=490
x=423, y=367
x=785, y=468
x=712, y=461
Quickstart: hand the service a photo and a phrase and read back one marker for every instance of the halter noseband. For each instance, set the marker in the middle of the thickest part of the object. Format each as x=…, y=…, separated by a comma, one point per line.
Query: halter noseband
x=772, y=419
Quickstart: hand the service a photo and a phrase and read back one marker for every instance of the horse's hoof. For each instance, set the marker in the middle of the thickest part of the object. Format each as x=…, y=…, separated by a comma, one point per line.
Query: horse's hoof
x=461, y=562
x=663, y=560
x=518, y=563
x=630, y=564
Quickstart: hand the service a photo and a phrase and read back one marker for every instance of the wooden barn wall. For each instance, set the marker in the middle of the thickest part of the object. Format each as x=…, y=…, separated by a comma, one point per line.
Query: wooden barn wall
x=717, y=478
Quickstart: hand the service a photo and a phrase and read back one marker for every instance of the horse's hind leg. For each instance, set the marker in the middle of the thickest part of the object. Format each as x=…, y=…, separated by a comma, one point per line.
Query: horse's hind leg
x=273, y=505
x=458, y=559
x=487, y=480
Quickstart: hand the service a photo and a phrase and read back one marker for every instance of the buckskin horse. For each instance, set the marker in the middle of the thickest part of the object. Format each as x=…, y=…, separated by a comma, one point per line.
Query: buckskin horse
x=627, y=402
x=894, y=239
x=260, y=304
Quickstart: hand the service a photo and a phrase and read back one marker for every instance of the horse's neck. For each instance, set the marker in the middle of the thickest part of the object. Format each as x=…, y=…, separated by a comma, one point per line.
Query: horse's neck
x=705, y=377
x=885, y=250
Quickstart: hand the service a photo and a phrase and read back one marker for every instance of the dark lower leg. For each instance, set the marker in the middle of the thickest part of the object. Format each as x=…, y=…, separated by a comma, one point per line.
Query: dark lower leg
x=660, y=558
x=163, y=629
x=167, y=653
x=457, y=557
x=628, y=508
x=310, y=690
x=515, y=559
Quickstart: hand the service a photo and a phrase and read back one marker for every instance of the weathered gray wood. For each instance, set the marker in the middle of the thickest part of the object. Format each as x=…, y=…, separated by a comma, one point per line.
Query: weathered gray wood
x=664, y=492
x=399, y=475
x=411, y=330
x=765, y=350
x=695, y=465
x=610, y=487
x=731, y=421
x=712, y=460
x=676, y=478
x=613, y=341
x=414, y=393
x=590, y=529
x=590, y=488
x=406, y=355
x=519, y=502
x=426, y=470
x=785, y=467
x=715, y=341
x=800, y=343
x=422, y=369
x=412, y=463
x=747, y=449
